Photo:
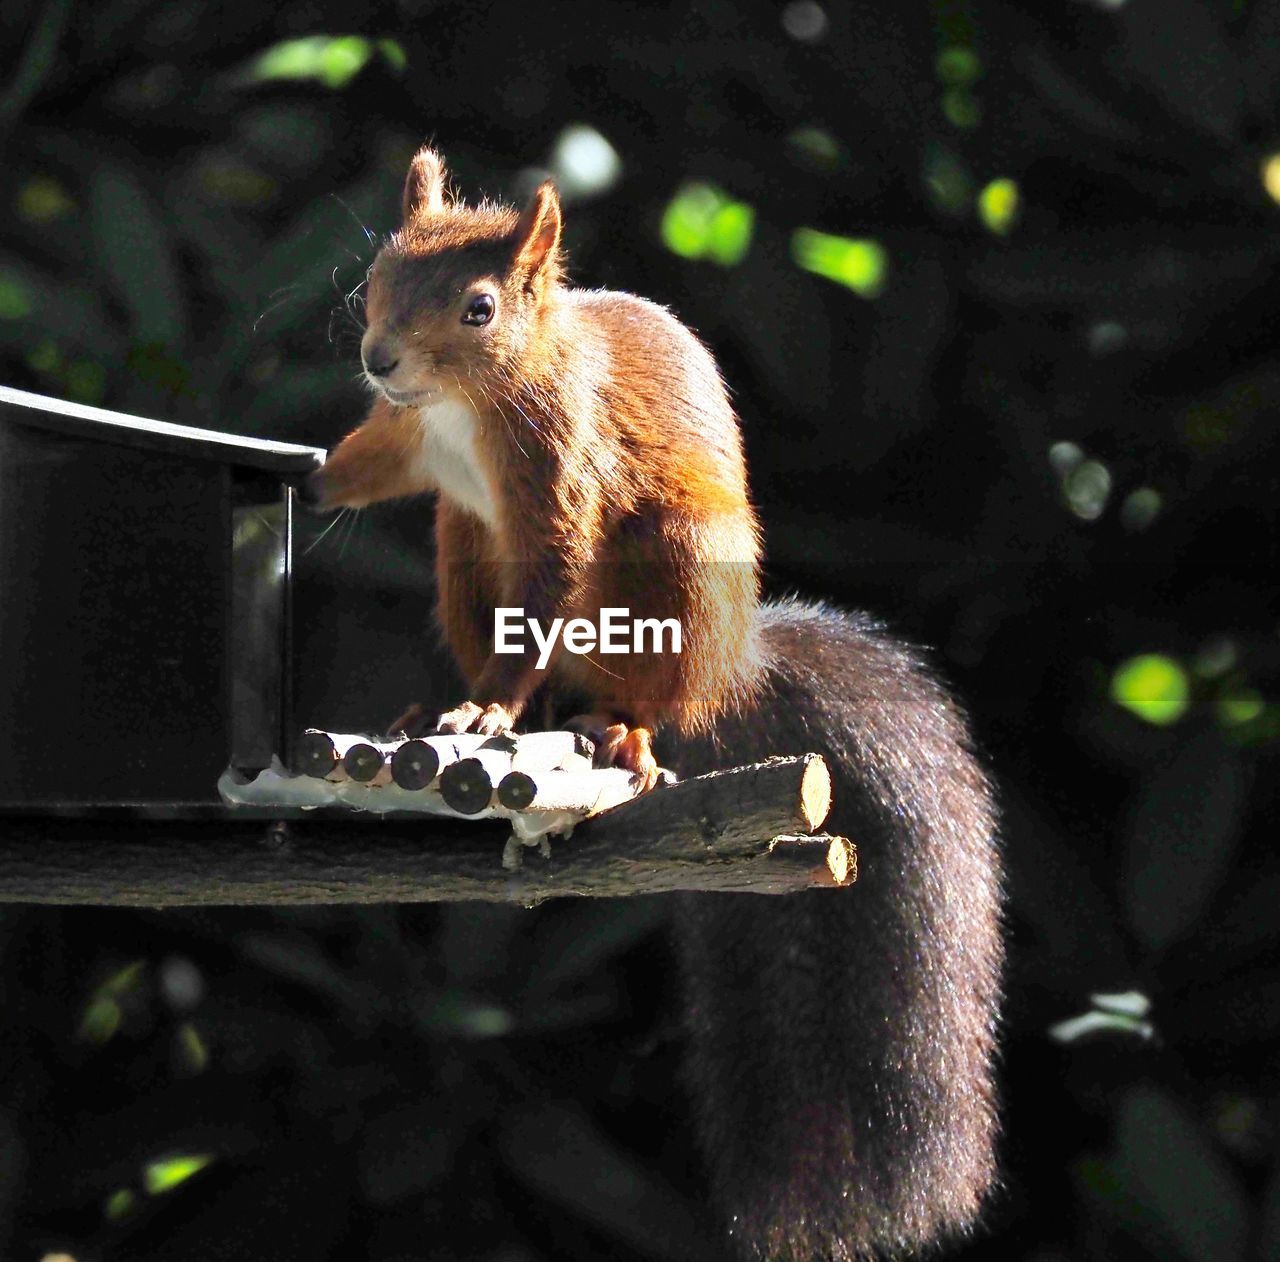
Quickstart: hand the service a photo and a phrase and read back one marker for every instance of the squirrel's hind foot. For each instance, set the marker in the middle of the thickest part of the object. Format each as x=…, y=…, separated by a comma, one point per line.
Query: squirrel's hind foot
x=618, y=745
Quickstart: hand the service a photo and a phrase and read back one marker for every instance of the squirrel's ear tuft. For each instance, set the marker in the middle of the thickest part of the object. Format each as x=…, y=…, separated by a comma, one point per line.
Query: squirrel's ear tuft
x=424, y=185
x=538, y=233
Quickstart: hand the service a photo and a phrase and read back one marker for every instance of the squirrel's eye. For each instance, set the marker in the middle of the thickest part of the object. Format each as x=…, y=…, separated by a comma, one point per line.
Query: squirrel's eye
x=479, y=310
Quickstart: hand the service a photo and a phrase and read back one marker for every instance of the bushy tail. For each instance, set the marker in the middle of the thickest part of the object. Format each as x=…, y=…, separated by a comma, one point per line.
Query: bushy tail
x=841, y=1041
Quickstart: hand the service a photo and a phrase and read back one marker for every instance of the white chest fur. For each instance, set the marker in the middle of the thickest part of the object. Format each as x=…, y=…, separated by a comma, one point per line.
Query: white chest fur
x=449, y=457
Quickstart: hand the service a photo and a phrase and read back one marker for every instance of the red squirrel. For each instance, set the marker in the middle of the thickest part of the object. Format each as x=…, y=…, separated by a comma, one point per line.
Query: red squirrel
x=585, y=456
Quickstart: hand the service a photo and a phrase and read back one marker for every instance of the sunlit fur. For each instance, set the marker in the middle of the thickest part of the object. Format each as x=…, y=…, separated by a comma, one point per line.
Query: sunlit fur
x=841, y=1043
x=603, y=435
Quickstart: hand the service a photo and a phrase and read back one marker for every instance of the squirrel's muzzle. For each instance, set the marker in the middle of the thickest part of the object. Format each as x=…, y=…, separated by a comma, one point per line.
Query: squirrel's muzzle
x=311, y=492
x=381, y=357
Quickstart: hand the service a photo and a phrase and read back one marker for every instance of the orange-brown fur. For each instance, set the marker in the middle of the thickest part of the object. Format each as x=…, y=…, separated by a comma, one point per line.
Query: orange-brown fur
x=585, y=455
x=606, y=439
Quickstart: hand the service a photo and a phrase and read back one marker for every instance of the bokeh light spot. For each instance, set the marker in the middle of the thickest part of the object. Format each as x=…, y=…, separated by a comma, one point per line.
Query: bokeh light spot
x=42, y=199
x=1271, y=176
x=998, y=204
x=703, y=222
x=333, y=60
x=1140, y=508
x=161, y=1176
x=859, y=264
x=15, y=300
x=1240, y=705
x=1152, y=686
x=1087, y=488
x=804, y=20
x=584, y=162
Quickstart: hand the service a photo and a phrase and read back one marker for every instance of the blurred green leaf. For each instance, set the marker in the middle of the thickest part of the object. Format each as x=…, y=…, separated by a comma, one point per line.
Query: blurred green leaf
x=1140, y=508
x=947, y=180
x=101, y=1020
x=343, y=59
x=192, y=1048
x=45, y=357
x=120, y=1204
x=1215, y=657
x=165, y=1174
x=134, y=245
x=998, y=205
x=961, y=108
x=816, y=147
x=686, y=223
x=43, y=199
x=15, y=299
x=958, y=65
x=230, y=180
x=701, y=221
x=461, y=1015
x=731, y=231
x=333, y=60
x=85, y=381
x=1181, y=837
x=104, y=1012
x=1240, y=705
x=1152, y=686
x=151, y=363
x=394, y=53
x=858, y=264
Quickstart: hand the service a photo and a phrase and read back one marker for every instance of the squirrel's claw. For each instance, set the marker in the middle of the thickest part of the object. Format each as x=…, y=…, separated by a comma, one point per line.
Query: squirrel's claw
x=487, y=720
x=490, y=720
x=632, y=749
x=618, y=745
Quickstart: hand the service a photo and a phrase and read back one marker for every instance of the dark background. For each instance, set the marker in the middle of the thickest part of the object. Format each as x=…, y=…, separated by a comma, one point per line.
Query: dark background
x=1042, y=445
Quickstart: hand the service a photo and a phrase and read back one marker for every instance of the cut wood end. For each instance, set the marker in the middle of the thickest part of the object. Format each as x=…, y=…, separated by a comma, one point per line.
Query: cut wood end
x=316, y=755
x=363, y=761
x=842, y=859
x=815, y=792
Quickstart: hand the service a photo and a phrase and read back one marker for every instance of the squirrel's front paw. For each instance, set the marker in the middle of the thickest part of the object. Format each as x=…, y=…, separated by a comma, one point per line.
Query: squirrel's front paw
x=487, y=720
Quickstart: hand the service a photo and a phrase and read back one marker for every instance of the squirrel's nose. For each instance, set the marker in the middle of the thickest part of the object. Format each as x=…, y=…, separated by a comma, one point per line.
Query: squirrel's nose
x=311, y=491
x=380, y=360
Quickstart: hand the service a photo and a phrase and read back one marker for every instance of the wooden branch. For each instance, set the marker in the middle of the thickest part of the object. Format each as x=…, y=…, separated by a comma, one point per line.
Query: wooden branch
x=748, y=829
